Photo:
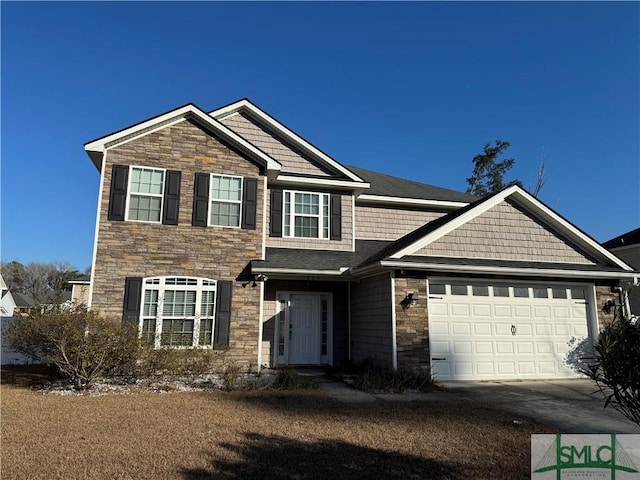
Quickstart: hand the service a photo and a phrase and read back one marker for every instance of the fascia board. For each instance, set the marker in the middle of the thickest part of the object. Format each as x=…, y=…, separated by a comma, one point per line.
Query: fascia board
x=318, y=181
x=299, y=271
x=455, y=223
x=173, y=117
x=245, y=104
x=381, y=199
x=526, y=272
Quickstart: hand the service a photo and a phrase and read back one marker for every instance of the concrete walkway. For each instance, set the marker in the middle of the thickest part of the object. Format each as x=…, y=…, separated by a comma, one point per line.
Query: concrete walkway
x=573, y=406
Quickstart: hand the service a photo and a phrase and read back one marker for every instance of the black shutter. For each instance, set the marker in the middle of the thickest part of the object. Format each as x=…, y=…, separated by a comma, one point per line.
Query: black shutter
x=132, y=298
x=336, y=217
x=171, y=197
x=223, y=312
x=118, y=192
x=249, y=203
x=275, y=217
x=200, y=200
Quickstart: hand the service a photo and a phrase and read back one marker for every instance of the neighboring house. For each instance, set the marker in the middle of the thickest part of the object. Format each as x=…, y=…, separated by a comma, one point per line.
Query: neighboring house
x=627, y=247
x=229, y=230
x=24, y=303
x=9, y=313
x=80, y=290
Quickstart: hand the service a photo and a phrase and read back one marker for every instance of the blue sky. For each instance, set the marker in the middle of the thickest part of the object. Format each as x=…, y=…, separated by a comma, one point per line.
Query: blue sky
x=408, y=89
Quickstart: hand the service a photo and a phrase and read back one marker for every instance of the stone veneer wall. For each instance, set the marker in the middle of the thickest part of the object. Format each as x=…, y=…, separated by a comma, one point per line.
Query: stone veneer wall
x=126, y=249
x=412, y=325
x=603, y=294
x=371, y=336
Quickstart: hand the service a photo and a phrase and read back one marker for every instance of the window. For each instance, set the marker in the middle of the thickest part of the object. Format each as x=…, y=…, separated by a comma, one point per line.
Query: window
x=521, y=292
x=306, y=215
x=226, y=201
x=178, y=311
x=146, y=187
x=559, y=292
x=540, y=292
x=437, y=288
x=458, y=289
x=480, y=290
x=500, y=291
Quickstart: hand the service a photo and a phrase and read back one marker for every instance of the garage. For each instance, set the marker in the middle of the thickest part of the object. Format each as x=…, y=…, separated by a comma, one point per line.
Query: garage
x=488, y=330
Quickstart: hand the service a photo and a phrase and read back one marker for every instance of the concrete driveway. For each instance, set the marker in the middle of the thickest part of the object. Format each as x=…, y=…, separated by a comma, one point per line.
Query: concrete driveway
x=574, y=406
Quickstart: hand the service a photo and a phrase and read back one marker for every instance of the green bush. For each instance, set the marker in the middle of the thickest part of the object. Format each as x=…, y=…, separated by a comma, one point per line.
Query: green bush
x=80, y=343
x=177, y=361
x=615, y=366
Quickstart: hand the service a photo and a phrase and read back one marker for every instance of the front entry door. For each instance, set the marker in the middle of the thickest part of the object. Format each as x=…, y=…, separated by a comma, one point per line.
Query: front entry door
x=304, y=329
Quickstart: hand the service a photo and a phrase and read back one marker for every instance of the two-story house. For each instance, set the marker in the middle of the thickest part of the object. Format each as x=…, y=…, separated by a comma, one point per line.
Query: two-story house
x=229, y=230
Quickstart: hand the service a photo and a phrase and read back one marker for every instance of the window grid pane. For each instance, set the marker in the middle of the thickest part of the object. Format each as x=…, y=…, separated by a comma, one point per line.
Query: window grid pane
x=226, y=196
x=177, y=332
x=206, y=331
x=306, y=227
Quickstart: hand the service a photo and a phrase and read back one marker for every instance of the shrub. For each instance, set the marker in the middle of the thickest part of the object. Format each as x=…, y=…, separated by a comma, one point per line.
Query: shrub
x=177, y=361
x=288, y=379
x=375, y=379
x=614, y=366
x=80, y=343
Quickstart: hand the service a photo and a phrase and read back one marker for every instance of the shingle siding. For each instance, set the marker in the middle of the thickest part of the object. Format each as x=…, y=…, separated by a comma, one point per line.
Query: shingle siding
x=291, y=161
x=371, y=335
x=376, y=223
x=505, y=233
x=134, y=249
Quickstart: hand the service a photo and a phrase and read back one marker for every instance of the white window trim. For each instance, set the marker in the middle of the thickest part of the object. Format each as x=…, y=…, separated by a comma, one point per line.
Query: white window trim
x=129, y=193
x=211, y=200
x=161, y=286
x=290, y=217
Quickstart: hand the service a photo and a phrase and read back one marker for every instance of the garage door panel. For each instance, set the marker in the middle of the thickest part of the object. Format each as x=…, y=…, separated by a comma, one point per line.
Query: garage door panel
x=502, y=311
x=482, y=328
x=526, y=368
x=461, y=328
x=522, y=311
x=541, y=311
x=504, y=348
x=484, y=348
x=460, y=310
x=496, y=334
x=483, y=310
x=462, y=347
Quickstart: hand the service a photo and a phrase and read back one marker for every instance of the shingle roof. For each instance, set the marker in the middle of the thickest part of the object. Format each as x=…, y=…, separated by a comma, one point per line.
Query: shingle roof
x=389, y=186
x=305, y=259
x=624, y=240
x=22, y=300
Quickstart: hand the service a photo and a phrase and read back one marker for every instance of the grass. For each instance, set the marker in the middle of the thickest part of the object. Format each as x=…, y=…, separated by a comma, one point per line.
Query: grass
x=266, y=434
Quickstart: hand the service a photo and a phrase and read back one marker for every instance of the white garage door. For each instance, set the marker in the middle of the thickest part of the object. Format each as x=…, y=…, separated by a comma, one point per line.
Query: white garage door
x=484, y=330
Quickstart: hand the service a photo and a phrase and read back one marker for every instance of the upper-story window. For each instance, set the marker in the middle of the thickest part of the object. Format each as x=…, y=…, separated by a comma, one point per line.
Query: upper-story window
x=146, y=188
x=226, y=200
x=306, y=214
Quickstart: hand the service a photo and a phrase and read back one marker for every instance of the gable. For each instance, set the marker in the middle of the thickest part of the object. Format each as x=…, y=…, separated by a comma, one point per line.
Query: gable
x=505, y=232
x=292, y=161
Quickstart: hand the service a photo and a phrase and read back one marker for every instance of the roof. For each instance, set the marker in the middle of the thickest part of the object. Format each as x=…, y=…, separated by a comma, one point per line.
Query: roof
x=333, y=262
x=388, y=186
x=624, y=240
x=402, y=249
x=23, y=300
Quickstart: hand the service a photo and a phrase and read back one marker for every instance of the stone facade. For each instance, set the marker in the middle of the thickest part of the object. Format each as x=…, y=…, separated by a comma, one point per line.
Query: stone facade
x=603, y=295
x=412, y=324
x=135, y=249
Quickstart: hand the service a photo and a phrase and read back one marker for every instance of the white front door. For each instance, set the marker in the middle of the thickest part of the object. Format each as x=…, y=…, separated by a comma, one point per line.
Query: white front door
x=304, y=329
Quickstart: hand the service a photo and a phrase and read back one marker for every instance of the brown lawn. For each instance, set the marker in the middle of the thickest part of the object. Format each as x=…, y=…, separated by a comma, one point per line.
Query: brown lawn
x=255, y=435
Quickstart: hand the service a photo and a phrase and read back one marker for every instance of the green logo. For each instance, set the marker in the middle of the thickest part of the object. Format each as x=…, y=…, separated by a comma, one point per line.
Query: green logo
x=581, y=453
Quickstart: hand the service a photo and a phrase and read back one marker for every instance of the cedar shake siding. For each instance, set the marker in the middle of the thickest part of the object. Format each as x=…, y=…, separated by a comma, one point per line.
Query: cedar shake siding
x=412, y=326
x=505, y=232
x=340, y=315
x=346, y=235
x=379, y=223
x=371, y=314
x=135, y=249
x=291, y=160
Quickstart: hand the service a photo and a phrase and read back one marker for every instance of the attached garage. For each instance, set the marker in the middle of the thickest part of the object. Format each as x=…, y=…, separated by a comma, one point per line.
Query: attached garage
x=486, y=330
